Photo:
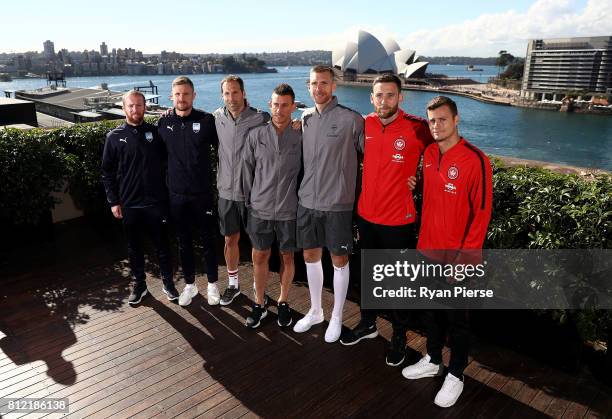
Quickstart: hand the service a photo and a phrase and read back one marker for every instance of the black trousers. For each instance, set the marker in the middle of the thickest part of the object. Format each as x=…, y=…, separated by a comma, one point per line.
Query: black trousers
x=150, y=221
x=454, y=324
x=377, y=236
x=195, y=213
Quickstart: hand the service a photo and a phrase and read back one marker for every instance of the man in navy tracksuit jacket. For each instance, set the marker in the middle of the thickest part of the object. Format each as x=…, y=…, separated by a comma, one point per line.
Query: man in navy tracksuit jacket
x=134, y=178
x=189, y=135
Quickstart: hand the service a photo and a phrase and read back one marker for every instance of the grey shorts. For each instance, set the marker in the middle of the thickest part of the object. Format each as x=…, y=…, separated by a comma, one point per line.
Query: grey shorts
x=331, y=229
x=232, y=214
x=263, y=233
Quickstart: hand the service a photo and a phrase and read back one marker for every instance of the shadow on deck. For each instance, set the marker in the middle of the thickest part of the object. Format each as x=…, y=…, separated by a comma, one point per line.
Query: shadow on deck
x=67, y=331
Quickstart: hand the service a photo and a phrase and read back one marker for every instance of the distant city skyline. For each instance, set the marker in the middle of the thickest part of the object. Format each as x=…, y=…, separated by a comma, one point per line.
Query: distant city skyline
x=442, y=28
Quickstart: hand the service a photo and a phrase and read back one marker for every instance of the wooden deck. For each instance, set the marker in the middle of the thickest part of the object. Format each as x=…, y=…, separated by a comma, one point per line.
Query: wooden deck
x=67, y=331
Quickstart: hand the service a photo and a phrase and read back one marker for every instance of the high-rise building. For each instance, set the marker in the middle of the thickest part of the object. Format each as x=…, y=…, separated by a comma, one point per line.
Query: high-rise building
x=103, y=49
x=49, y=49
x=554, y=67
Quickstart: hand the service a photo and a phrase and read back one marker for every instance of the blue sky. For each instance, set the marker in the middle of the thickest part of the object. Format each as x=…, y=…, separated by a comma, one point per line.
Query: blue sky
x=475, y=28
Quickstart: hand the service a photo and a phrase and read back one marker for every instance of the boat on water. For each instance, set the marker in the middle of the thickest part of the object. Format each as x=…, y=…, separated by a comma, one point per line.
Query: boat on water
x=472, y=68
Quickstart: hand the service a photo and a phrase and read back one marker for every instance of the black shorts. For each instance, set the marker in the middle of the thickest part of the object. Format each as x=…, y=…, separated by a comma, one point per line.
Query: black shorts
x=263, y=233
x=378, y=236
x=232, y=214
x=331, y=229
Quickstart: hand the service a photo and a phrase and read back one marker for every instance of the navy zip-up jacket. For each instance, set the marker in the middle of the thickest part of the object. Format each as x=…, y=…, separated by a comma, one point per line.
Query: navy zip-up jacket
x=188, y=141
x=134, y=166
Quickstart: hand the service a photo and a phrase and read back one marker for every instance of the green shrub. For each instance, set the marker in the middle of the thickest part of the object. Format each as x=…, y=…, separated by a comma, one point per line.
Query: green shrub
x=83, y=145
x=31, y=166
x=539, y=209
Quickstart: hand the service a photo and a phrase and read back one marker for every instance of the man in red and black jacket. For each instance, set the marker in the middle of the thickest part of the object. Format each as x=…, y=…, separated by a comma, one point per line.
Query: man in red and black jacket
x=457, y=202
x=394, y=143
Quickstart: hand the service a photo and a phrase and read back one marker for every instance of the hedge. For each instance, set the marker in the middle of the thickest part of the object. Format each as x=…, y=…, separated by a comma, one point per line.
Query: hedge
x=533, y=208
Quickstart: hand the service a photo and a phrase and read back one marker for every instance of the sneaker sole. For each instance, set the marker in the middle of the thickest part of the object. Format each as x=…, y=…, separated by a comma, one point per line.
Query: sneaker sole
x=213, y=303
x=170, y=297
x=145, y=292
x=395, y=365
x=255, y=326
x=224, y=303
x=370, y=336
x=188, y=301
x=309, y=327
x=417, y=377
x=285, y=325
x=449, y=404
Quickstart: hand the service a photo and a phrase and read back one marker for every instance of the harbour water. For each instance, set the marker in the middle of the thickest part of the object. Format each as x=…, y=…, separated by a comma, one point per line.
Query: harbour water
x=574, y=139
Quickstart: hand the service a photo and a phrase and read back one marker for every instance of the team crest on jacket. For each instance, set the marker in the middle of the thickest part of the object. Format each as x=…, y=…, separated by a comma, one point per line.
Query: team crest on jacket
x=149, y=136
x=399, y=144
x=196, y=127
x=453, y=172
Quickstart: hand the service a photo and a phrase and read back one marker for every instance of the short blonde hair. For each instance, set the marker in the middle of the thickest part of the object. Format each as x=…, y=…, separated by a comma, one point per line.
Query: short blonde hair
x=133, y=93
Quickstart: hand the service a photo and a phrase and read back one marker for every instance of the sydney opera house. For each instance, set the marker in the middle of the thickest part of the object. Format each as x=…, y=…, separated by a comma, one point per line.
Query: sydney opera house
x=369, y=57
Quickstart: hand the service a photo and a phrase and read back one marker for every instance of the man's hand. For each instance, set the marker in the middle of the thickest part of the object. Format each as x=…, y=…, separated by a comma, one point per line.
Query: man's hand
x=296, y=124
x=167, y=112
x=412, y=182
x=116, y=210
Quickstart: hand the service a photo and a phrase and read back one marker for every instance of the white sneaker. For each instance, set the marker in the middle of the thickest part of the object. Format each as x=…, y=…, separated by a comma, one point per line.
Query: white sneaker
x=334, y=328
x=422, y=369
x=310, y=319
x=450, y=391
x=190, y=291
x=213, y=294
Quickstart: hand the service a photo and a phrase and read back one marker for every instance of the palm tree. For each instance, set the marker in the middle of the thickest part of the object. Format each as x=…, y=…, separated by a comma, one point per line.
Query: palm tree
x=503, y=60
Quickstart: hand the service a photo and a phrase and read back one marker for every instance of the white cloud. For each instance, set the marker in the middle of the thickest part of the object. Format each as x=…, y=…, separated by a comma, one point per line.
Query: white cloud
x=487, y=34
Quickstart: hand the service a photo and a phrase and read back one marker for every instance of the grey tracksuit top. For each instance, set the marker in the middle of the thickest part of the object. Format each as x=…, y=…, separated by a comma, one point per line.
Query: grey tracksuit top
x=331, y=140
x=271, y=168
x=232, y=135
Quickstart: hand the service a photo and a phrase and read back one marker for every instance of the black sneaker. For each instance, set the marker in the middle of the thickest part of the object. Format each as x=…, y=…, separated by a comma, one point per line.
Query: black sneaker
x=362, y=331
x=258, y=313
x=229, y=294
x=139, y=291
x=285, y=315
x=170, y=290
x=396, y=351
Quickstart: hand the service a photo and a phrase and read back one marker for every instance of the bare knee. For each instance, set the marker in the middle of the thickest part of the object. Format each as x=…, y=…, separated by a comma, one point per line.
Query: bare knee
x=339, y=261
x=287, y=258
x=232, y=241
x=312, y=255
x=260, y=256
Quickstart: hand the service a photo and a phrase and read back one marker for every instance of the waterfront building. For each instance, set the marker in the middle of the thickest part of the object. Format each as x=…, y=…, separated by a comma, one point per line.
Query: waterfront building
x=49, y=49
x=555, y=67
x=369, y=57
x=103, y=49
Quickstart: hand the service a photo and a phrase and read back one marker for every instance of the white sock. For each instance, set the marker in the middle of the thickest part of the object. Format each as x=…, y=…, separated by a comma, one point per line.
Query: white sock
x=341, y=283
x=314, y=271
x=233, y=278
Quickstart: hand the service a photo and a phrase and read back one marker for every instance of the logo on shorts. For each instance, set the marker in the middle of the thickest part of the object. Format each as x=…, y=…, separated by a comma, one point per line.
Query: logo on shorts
x=196, y=127
x=345, y=247
x=453, y=172
x=149, y=136
x=399, y=144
